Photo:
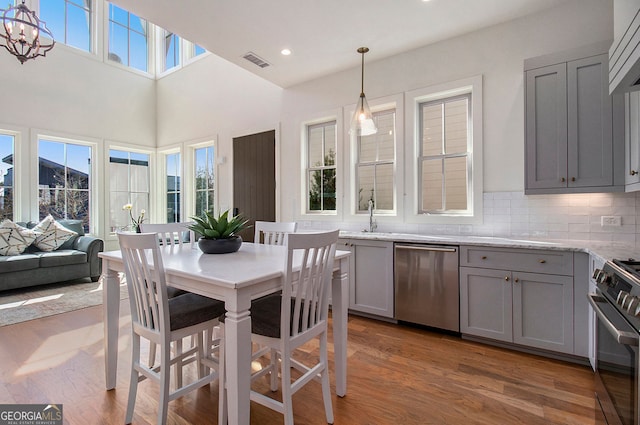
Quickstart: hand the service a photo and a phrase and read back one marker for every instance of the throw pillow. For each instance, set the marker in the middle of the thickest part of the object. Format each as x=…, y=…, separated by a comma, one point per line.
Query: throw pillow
x=74, y=225
x=50, y=234
x=14, y=239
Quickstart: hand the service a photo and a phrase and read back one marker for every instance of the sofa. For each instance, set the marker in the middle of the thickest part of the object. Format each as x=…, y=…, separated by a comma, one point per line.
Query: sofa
x=76, y=258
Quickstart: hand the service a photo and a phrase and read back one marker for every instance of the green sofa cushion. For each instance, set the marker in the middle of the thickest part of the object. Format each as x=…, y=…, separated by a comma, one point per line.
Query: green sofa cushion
x=62, y=258
x=17, y=263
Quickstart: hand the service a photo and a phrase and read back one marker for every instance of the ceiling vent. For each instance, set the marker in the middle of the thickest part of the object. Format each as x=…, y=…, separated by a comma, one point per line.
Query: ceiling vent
x=257, y=60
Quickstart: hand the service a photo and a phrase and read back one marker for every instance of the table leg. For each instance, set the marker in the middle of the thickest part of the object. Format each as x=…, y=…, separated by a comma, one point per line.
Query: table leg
x=111, y=312
x=340, y=307
x=237, y=339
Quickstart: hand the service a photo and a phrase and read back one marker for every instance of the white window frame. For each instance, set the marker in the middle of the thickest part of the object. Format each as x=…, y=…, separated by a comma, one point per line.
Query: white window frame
x=189, y=195
x=160, y=213
x=94, y=28
x=108, y=183
x=336, y=116
x=472, y=85
x=95, y=200
x=151, y=30
x=19, y=171
x=351, y=154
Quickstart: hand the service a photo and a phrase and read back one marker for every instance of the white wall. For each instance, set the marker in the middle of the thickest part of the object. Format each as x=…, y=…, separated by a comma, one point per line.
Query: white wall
x=496, y=53
x=213, y=99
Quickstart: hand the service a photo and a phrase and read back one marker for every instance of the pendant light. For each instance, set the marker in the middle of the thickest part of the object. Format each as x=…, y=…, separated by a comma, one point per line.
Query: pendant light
x=362, y=122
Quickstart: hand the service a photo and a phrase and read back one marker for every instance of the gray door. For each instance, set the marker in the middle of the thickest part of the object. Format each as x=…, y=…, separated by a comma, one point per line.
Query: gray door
x=254, y=178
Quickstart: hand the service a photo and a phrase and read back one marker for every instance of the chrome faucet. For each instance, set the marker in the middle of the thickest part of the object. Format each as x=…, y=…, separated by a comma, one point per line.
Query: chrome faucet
x=372, y=224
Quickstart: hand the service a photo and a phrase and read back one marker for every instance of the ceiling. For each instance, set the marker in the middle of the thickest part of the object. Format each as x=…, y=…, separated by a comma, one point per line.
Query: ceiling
x=323, y=34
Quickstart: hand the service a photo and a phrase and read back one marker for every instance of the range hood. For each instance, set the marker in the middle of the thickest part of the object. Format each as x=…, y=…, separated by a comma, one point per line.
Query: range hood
x=624, y=54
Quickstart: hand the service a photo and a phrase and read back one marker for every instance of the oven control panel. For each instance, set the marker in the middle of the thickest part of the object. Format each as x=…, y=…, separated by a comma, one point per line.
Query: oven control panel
x=619, y=290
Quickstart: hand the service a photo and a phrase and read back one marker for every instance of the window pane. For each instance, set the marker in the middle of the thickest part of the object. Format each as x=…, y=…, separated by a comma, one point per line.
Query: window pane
x=118, y=44
x=173, y=207
x=201, y=168
x=173, y=172
x=456, y=118
x=386, y=136
x=384, y=187
x=51, y=171
x=52, y=12
x=455, y=172
x=138, y=52
x=432, y=129
x=368, y=148
x=78, y=163
x=118, y=15
x=6, y=176
x=329, y=189
x=330, y=145
x=366, y=176
x=316, y=137
x=315, y=190
x=432, y=185
x=78, y=32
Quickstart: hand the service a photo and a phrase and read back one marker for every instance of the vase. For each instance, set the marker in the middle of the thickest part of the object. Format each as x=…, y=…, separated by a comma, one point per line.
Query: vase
x=220, y=246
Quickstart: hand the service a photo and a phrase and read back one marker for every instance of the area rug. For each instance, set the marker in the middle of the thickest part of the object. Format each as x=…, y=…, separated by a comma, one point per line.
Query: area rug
x=46, y=300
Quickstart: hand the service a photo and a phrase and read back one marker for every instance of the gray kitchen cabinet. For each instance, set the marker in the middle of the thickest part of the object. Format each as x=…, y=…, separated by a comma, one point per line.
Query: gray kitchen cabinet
x=503, y=297
x=370, y=276
x=632, y=141
x=569, y=134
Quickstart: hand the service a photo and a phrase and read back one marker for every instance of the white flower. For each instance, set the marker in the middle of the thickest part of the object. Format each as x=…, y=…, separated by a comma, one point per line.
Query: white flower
x=127, y=207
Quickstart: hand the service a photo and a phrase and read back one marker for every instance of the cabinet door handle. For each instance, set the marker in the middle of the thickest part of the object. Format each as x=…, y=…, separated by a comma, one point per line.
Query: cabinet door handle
x=633, y=172
x=506, y=278
x=562, y=179
x=573, y=179
x=484, y=257
x=542, y=261
x=516, y=280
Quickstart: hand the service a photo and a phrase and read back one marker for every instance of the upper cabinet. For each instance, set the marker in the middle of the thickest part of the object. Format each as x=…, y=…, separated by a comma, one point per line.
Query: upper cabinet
x=571, y=145
x=624, y=54
x=632, y=140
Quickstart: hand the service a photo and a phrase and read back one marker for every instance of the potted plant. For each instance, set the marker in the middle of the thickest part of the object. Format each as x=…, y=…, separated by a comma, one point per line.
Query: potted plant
x=218, y=235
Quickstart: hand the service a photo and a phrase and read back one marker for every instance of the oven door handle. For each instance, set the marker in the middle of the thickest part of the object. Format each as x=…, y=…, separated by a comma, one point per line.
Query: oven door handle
x=622, y=337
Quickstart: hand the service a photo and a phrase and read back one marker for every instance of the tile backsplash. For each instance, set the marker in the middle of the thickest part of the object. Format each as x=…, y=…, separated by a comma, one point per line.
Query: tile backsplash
x=516, y=215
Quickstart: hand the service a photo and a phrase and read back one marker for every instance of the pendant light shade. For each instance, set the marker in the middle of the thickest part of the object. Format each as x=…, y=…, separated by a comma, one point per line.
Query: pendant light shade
x=362, y=123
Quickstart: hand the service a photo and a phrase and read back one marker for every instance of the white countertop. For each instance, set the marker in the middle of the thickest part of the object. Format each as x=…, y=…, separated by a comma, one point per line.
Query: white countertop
x=604, y=250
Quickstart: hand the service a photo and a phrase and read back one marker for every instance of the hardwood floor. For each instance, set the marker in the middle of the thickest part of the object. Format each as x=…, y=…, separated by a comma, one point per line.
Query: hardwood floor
x=396, y=375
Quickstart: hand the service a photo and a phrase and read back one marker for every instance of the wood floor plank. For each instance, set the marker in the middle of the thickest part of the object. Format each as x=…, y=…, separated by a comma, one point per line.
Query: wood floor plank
x=397, y=375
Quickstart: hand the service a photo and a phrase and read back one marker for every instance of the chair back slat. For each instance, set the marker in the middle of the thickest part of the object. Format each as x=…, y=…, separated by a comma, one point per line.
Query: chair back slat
x=273, y=233
x=305, y=294
x=170, y=233
x=144, y=272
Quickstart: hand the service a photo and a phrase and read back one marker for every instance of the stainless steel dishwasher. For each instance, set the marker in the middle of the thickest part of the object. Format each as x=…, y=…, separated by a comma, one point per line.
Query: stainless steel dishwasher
x=426, y=285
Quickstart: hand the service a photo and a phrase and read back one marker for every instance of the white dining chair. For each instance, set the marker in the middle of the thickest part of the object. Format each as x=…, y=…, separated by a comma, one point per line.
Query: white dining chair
x=283, y=322
x=164, y=321
x=273, y=233
x=169, y=233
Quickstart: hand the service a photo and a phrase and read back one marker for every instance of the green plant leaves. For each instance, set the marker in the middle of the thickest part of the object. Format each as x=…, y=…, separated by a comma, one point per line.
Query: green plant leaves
x=222, y=227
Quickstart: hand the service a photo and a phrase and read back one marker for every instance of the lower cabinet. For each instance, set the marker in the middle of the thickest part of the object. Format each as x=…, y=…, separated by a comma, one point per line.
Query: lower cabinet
x=371, y=276
x=517, y=303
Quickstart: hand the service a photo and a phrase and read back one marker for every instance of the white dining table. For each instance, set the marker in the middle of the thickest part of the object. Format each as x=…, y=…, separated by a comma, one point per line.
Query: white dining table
x=236, y=279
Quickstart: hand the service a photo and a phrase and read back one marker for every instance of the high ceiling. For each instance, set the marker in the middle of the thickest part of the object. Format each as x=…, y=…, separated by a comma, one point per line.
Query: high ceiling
x=322, y=34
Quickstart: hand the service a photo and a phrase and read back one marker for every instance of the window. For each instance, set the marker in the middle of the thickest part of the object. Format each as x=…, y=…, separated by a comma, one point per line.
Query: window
x=128, y=184
x=376, y=165
x=170, y=50
x=128, y=42
x=64, y=174
x=7, y=143
x=69, y=21
x=444, y=154
x=321, y=167
x=192, y=50
x=205, y=179
x=173, y=188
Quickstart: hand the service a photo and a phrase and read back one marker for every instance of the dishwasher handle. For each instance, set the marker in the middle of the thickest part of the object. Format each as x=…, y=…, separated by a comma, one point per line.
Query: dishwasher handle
x=622, y=337
x=426, y=248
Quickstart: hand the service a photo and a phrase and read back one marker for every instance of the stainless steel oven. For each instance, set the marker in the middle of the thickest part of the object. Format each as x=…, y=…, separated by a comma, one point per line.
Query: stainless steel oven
x=617, y=307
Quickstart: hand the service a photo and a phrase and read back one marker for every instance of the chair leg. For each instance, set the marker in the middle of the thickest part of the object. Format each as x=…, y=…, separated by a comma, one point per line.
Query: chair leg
x=165, y=372
x=287, y=401
x=152, y=354
x=274, y=370
x=326, y=389
x=222, y=384
x=133, y=381
x=179, y=364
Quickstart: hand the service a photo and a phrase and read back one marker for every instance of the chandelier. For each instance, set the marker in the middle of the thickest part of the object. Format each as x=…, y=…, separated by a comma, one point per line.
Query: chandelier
x=21, y=31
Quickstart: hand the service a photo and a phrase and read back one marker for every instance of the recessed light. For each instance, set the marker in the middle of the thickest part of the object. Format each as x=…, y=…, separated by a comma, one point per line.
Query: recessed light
x=285, y=52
